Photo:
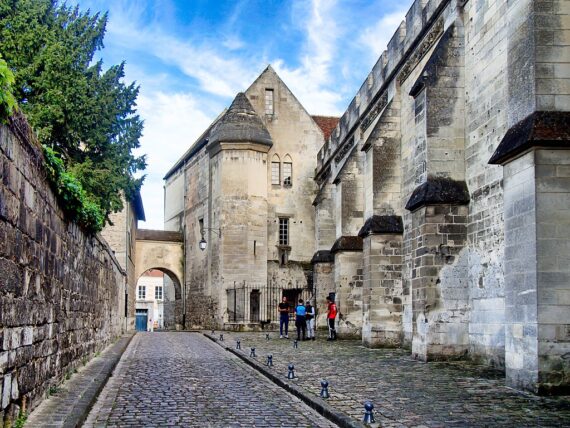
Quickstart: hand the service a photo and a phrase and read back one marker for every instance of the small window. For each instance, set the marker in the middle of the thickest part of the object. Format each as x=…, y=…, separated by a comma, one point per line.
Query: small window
x=287, y=173
x=283, y=231
x=158, y=292
x=275, y=173
x=142, y=292
x=269, y=101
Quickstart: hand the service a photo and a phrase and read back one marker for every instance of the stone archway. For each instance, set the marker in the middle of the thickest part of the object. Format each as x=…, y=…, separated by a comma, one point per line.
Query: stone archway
x=163, y=251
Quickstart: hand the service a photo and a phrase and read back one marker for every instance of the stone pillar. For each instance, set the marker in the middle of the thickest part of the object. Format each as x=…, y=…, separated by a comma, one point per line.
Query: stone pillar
x=537, y=272
x=382, y=282
x=347, y=251
x=323, y=283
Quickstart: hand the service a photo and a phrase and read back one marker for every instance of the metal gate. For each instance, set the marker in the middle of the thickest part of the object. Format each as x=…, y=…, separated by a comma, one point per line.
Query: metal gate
x=257, y=303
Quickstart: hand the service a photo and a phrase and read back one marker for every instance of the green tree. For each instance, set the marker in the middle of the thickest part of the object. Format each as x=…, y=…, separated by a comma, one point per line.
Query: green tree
x=85, y=114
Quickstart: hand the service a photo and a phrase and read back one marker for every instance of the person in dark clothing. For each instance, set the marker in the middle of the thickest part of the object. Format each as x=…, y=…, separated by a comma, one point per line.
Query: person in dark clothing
x=301, y=320
x=283, y=318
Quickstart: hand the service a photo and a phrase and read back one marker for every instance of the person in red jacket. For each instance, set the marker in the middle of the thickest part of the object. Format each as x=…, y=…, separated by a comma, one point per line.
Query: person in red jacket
x=331, y=316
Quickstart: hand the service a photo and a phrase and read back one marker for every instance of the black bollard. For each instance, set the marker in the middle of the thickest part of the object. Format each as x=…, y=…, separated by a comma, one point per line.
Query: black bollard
x=368, y=415
x=295, y=344
x=221, y=337
x=213, y=332
x=238, y=344
x=291, y=374
x=252, y=353
x=324, y=389
x=267, y=336
x=269, y=360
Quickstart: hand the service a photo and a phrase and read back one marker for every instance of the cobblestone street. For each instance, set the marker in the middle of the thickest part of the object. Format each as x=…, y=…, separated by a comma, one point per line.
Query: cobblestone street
x=405, y=392
x=184, y=379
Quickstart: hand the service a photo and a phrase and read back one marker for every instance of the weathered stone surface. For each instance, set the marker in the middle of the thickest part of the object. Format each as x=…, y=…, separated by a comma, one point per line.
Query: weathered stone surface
x=438, y=191
x=61, y=292
x=540, y=129
x=381, y=225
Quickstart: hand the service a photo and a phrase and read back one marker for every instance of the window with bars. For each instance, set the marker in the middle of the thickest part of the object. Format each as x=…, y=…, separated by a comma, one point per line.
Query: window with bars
x=142, y=292
x=269, y=101
x=287, y=173
x=275, y=173
x=158, y=292
x=283, y=231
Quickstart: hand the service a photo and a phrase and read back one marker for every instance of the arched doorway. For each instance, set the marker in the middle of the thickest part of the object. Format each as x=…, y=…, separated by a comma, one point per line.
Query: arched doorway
x=158, y=301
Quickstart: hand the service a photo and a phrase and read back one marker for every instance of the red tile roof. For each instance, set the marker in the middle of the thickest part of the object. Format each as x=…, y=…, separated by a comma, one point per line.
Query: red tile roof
x=327, y=124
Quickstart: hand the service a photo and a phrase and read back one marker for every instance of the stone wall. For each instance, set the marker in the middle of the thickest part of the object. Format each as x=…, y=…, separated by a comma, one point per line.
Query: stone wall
x=61, y=292
x=463, y=87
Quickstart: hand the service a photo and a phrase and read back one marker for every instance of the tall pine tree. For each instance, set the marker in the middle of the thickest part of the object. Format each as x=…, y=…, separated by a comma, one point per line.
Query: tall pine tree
x=84, y=113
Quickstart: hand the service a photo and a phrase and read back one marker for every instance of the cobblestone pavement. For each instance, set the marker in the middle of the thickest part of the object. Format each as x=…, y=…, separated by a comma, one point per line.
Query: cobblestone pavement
x=184, y=379
x=405, y=392
x=68, y=406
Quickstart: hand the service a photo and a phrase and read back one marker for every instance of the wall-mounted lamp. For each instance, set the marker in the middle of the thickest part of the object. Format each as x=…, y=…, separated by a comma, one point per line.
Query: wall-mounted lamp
x=203, y=244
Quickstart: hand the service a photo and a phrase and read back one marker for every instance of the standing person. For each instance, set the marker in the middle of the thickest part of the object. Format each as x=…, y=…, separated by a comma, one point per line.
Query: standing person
x=283, y=317
x=310, y=316
x=300, y=320
x=331, y=315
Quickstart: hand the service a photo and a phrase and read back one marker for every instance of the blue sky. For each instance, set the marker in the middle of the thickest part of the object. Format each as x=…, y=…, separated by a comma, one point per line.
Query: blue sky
x=190, y=58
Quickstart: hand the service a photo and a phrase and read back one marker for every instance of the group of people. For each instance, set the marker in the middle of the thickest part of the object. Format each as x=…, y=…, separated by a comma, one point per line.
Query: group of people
x=305, y=319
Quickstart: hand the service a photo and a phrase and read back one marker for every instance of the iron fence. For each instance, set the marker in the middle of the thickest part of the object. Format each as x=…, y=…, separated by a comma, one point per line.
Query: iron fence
x=258, y=302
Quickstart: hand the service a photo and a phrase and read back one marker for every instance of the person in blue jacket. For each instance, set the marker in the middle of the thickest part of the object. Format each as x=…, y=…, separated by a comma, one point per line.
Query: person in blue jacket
x=301, y=320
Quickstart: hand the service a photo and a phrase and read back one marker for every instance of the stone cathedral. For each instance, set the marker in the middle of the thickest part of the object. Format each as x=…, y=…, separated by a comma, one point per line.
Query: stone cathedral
x=436, y=211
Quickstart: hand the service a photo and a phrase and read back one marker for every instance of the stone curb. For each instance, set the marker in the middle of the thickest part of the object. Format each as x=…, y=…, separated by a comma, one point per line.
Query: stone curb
x=81, y=403
x=316, y=404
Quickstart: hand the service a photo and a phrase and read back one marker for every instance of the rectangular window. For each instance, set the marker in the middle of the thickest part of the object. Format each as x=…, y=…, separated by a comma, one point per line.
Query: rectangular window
x=283, y=231
x=142, y=292
x=269, y=101
x=158, y=292
x=275, y=173
x=287, y=173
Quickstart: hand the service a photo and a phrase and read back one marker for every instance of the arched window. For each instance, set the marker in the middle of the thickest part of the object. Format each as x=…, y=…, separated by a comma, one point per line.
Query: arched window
x=287, y=171
x=275, y=170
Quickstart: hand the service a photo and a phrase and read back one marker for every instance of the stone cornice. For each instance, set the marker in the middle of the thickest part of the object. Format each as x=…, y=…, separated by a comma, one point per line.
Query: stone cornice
x=439, y=191
x=347, y=243
x=539, y=129
x=382, y=224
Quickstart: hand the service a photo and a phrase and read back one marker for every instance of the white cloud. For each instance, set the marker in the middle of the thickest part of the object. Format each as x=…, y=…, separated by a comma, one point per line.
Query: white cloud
x=376, y=37
x=312, y=80
x=173, y=121
x=215, y=72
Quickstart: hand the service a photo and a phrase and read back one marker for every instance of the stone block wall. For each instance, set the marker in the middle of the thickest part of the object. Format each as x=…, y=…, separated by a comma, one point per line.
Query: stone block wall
x=61, y=292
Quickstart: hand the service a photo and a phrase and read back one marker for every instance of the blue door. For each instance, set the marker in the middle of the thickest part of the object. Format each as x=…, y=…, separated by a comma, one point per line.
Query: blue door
x=141, y=319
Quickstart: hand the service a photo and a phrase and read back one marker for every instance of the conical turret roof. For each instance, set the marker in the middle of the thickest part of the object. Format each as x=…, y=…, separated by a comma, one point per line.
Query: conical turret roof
x=240, y=124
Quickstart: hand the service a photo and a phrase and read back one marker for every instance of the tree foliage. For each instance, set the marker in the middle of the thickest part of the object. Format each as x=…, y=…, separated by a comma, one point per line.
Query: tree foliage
x=84, y=114
x=7, y=100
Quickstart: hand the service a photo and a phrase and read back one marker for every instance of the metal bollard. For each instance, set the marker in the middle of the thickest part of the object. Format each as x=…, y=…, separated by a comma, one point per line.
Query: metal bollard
x=267, y=336
x=238, y=344
x=324, y=389
x=295, y=344
x=252, y=353
x=221, y=337
x=368, y=415
x=291, y=374
x=269, y=360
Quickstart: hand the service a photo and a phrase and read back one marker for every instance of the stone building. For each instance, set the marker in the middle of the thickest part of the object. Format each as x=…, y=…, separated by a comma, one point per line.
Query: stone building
x=245, y=189
x=121, y=236
x=150, y=299
x=442, y=216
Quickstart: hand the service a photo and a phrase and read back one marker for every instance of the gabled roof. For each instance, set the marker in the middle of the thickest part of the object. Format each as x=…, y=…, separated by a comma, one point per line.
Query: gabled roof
x=327, y=124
